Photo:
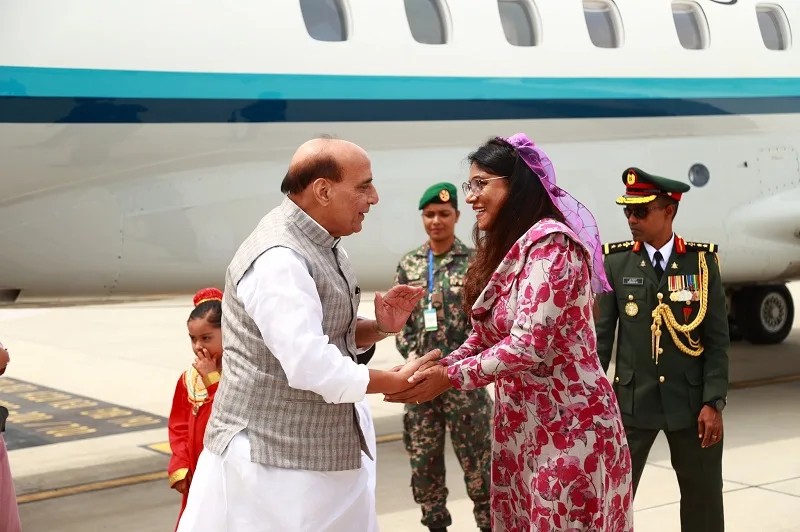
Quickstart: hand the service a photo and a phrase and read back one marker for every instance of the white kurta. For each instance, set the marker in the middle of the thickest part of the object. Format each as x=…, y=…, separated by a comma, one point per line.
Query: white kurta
x=229, y=493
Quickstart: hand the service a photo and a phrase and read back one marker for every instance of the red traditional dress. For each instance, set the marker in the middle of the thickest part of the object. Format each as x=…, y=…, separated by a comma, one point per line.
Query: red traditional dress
x=191, y=408
x=560, y=458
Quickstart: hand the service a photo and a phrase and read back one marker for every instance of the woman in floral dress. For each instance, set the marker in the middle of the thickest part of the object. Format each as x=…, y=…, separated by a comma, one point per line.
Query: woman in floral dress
x=560, y=459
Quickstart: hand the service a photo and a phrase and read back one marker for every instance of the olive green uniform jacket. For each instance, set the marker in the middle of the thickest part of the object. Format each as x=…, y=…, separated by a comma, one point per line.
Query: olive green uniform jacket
x=668, y=394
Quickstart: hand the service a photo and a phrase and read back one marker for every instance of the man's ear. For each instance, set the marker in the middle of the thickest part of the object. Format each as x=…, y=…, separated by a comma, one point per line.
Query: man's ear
x=322, y=191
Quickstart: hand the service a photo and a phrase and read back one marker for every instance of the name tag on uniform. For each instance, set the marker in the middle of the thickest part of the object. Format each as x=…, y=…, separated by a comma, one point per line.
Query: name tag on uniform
x=430, y=319
x=633, y=281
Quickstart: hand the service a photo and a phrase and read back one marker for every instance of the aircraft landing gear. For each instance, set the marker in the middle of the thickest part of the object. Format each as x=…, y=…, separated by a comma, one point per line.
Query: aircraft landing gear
x=763, y=314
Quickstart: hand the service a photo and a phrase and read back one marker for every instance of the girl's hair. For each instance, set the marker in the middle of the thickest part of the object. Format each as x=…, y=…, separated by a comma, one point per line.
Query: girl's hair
x=208, y=305
x=527, y=203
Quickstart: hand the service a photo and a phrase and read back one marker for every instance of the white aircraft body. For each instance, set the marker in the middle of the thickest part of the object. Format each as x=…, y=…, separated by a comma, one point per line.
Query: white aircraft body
x=141, y=142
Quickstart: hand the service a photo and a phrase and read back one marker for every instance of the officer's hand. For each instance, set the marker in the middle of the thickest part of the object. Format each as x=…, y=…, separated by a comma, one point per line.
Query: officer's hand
x=709, y=426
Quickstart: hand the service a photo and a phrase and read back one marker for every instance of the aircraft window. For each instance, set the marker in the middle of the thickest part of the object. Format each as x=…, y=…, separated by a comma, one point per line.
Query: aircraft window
x=691, y=25
x=426, y=20
x=519, y=18
x=603, y=22
x=326, y=20
x=774, y=25
x=699, y=175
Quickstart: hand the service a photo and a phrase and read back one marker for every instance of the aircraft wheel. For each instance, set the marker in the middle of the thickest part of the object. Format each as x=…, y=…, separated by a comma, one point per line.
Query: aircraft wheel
x=765, y=314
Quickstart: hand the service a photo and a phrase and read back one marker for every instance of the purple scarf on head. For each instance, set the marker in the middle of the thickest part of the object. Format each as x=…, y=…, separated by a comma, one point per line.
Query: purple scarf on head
x=578, y=217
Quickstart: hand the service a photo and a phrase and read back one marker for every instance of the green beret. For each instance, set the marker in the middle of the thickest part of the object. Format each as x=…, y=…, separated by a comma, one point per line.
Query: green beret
x=641, y=187
x=439, y=193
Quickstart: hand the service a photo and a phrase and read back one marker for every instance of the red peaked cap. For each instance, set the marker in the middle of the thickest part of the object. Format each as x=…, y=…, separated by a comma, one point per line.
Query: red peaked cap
x=207, y=294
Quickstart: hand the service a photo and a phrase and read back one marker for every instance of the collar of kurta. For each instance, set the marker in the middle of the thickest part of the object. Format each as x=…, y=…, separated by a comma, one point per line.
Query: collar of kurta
x=308, y=225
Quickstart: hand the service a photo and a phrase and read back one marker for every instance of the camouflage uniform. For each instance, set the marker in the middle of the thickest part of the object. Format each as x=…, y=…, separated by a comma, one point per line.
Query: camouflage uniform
x=467, y=414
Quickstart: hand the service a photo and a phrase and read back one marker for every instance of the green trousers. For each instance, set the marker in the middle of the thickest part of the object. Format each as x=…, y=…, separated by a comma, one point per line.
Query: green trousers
x=699, y=473
x=468, y=416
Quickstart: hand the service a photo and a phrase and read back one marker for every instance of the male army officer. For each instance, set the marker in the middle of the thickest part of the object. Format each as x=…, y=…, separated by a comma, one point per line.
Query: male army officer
x=672, y=345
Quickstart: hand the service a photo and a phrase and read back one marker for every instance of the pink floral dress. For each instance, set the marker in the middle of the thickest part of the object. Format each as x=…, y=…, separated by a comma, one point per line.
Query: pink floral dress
x=560, y=459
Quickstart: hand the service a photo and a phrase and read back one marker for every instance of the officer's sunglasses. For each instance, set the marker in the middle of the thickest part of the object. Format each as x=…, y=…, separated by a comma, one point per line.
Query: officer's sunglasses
x=476, y=186
x=640, y=212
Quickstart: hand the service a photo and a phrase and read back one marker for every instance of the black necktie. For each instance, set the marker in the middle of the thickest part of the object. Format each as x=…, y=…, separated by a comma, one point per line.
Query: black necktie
x=657, y=264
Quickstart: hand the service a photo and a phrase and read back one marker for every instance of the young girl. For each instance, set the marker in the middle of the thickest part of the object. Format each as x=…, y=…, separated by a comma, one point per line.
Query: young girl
x=194, y=393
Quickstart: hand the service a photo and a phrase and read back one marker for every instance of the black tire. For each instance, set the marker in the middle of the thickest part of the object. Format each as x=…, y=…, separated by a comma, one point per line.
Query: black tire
x=764, y=314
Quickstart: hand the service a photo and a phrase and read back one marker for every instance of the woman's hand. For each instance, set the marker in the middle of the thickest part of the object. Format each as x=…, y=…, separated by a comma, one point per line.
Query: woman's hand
x=422, y=369
x=426, y=385
x=205, y=363
x=397, y=379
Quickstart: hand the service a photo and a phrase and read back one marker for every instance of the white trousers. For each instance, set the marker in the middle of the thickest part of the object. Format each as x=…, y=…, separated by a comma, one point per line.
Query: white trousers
x=229, y=493
x=368, y=428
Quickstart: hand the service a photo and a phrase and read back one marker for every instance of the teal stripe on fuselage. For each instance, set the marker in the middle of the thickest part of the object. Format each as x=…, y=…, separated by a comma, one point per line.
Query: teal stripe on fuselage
x=72, y=83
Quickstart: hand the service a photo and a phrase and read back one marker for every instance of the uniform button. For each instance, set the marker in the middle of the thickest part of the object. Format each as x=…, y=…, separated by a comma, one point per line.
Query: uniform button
x=616, y=379
x=661, y=379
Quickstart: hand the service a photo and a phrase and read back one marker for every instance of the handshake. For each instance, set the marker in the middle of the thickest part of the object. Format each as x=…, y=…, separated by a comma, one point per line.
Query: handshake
x=421, y=379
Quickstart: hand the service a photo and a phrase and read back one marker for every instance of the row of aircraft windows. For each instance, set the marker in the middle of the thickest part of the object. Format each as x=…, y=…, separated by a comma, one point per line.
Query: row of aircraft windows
x=326, y=20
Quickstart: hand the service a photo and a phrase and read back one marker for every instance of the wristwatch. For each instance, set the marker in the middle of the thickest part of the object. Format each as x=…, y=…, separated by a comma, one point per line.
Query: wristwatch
x=717, y=404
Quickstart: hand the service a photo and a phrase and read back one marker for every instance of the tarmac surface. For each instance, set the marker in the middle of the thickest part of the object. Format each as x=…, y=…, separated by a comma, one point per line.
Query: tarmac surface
x=105, y=376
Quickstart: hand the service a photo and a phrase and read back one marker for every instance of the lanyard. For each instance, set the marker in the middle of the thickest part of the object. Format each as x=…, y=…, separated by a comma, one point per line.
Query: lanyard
x=430, y=278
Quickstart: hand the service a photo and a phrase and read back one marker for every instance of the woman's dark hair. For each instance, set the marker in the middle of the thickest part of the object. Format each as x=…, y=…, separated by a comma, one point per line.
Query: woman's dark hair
x=527, y=203
x=208, y=306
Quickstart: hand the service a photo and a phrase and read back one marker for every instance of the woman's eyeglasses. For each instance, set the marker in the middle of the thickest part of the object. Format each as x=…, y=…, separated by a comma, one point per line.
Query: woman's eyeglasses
x=476, y=186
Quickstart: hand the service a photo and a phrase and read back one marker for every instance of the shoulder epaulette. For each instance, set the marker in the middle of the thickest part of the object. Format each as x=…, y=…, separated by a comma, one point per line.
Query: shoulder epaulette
x=616, y=247
x=702, y=246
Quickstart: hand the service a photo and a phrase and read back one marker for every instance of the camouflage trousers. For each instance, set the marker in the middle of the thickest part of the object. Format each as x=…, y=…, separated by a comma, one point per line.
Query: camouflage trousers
x=468, y=416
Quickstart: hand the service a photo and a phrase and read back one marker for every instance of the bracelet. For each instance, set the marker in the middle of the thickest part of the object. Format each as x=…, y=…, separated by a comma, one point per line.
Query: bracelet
x=384, y=333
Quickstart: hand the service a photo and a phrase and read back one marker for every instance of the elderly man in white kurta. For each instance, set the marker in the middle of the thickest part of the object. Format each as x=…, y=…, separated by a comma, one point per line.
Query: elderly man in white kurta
x=283, y=446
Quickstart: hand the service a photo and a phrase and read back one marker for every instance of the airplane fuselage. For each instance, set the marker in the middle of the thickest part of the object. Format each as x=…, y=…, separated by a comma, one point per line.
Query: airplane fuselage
x=139, y=145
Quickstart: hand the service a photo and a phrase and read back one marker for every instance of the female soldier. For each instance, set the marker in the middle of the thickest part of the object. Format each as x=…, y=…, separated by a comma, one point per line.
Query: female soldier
x=439, y=322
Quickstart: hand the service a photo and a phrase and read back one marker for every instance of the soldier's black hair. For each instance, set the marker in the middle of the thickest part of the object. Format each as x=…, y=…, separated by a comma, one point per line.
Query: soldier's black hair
x=664, y=201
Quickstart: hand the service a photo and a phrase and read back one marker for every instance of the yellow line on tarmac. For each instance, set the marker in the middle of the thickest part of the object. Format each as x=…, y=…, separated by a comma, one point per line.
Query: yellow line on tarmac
x=162, y=447
x=92, y=486
x=389, y=438
x=765, y=382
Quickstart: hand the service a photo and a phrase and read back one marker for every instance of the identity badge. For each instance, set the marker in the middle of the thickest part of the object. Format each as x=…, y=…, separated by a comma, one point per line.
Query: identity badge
x=430, y=319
